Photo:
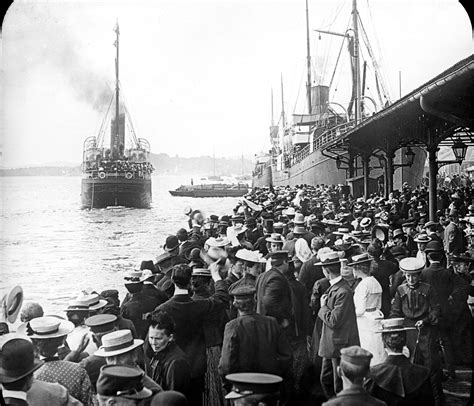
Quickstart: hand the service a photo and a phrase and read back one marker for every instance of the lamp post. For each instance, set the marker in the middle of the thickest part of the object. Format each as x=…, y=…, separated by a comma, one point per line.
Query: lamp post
x=459, y=150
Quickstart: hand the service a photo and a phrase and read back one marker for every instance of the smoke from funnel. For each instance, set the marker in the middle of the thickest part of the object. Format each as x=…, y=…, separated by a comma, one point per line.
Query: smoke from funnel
x=35, y=38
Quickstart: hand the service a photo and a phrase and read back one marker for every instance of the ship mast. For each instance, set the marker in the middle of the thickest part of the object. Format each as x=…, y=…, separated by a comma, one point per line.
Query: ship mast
x=115, y=139
x=273, y=121
x=282, y=105
x=355, y=24
x=308, y=62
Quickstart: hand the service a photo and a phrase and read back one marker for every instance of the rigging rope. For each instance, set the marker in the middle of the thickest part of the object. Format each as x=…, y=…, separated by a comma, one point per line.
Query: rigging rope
x=100, y=137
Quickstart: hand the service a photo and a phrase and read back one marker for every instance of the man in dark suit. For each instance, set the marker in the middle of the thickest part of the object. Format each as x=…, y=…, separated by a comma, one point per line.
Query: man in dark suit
x=354, y=367
x=337, y=313
x=189, y=315
x=273, y=290
x=397, y=381
x=453, y=241
x=447, y=286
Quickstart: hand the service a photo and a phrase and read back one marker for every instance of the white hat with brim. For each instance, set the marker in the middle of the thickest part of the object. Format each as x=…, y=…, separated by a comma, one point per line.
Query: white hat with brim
x=116, y=343
x=217, y=242
x=329, y=258
x=250, y=256
x=86, y=303
x=411, y=265
x=46, y=327
x=146, y=274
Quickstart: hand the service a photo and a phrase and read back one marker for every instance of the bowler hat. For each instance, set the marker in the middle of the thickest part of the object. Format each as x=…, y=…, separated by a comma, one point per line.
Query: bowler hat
x=122, y=381
x=171, y=243
x=17, y=359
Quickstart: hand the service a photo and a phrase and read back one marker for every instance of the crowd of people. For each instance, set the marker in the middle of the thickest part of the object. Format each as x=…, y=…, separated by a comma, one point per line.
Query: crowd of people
x=299, y=296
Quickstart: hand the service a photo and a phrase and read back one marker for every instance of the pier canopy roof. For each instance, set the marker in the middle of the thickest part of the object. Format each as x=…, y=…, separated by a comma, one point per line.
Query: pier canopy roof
x=437, y=113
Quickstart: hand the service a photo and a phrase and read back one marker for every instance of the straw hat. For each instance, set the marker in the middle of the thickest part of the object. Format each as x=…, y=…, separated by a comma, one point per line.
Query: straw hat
x=117, y=342
x=46, y=327
x=251, y=256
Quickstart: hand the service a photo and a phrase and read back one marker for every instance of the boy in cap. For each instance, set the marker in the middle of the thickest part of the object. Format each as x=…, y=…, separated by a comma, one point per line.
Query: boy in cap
x=353, y=368
x=120, y=385
x=397, y=380
x=418, y=303
x=253, y=342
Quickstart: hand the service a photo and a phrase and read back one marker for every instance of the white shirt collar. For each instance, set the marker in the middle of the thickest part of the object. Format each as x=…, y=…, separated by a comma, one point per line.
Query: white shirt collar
x=335, y=280
x=14, y=394
x=393, y=352
x=178, y=291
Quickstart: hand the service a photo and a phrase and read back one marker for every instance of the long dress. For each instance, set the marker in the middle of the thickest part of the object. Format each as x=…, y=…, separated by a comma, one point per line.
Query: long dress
x=368, y=302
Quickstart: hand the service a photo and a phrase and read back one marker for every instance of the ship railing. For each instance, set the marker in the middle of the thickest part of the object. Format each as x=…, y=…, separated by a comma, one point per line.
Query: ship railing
x=300, y=155
x=332, y=134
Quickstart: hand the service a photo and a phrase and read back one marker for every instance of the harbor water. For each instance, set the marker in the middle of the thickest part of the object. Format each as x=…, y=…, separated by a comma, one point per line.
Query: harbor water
x=53, y=249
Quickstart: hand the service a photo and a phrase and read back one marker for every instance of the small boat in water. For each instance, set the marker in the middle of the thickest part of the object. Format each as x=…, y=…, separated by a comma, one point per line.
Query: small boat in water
x=211, y=190
x=116, y=176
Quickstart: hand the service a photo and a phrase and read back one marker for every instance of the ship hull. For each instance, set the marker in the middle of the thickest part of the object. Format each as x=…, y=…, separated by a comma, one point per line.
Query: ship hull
x=209, y=193
x=100, y=193
x=316, y=169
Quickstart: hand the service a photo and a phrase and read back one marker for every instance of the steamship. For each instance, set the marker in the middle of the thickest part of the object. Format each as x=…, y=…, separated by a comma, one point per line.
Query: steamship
x=297, y=154
x=116, y=175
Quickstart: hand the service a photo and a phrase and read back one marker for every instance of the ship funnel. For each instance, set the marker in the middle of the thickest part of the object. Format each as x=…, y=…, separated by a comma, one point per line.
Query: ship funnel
x=319, y=99
x=117, y=142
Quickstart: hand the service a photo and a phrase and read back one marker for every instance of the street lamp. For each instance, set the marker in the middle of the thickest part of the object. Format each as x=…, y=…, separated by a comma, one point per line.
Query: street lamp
x=459, y=149
x=410, y=157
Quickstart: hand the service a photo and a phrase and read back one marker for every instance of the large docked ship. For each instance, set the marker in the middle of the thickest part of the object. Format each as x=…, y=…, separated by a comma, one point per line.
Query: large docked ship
x=120, y=174
x=297, y=152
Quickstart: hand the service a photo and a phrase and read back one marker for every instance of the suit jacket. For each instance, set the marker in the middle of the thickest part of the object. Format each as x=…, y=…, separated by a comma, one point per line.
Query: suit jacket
x=50, y=394
x=453, y=241
x=253, y=342
x=398, y=382
x=274, y=295
x=135, y=310
x=92, y=365
x=310, y=273
x=382, y=270
x=354, y=397
x=188, y=316
x=339, y=321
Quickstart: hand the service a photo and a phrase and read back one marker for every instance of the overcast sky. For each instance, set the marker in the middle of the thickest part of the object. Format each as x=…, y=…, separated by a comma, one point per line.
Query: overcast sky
x=197, y=75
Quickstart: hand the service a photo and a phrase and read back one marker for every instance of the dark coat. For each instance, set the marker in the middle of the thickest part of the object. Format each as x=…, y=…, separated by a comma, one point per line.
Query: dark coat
x=301, y=310
x=135, y=310
x=92, y=365
x=445, y=284
x=310, y=273
x=398, y=382
x=339, y=321
x=274, y=295
x=354, y=397
x=170, y=369
x=188, y=316
x=453, y=239
x=382, y=270
x=254, y=343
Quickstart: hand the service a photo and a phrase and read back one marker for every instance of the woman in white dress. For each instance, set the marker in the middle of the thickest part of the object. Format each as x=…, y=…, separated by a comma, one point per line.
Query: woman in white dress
x=368, y=301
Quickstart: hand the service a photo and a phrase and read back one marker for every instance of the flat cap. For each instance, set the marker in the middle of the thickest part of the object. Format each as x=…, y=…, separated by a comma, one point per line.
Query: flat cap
x=356, y=355
x=101, y=323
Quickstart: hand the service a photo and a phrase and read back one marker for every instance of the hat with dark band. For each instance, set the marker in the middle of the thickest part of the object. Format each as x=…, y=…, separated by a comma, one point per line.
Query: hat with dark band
x=201, y=272
x=122, y=381
x=117, y=342
x=275, y=238
x=46, y=327
x=360, y=259
x=329, y=258
x=423, y=238
x=87, y=303
x=394, y=325
x=250, y=383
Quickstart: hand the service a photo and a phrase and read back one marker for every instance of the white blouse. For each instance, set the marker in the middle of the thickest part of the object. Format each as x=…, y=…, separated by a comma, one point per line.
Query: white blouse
x=367, y=295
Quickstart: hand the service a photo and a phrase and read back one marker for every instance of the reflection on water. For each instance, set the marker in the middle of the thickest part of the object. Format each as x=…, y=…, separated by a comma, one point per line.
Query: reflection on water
x=53, y=249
